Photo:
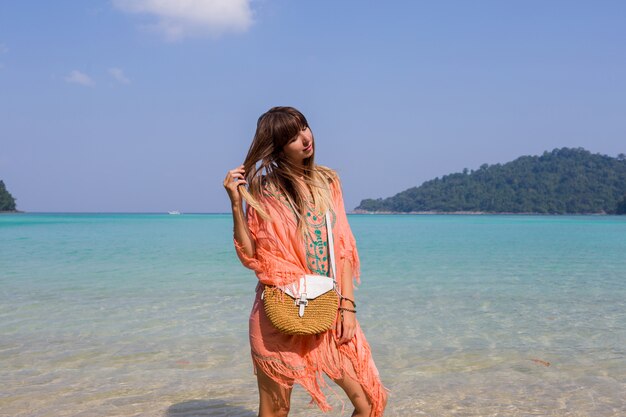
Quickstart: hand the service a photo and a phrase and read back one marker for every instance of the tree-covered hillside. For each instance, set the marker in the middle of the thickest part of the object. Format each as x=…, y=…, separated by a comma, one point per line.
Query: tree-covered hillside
x=7, y=202
x=563, y=181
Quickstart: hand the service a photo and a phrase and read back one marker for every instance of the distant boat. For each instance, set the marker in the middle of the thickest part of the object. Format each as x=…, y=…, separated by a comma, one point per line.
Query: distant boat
x=173, y=212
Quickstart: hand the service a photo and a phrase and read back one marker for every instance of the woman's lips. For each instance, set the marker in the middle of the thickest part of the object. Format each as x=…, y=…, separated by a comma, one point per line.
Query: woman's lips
x=308, y=148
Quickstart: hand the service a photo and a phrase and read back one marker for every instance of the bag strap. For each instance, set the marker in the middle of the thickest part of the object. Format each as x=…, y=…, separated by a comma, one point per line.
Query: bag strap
x=331, y=246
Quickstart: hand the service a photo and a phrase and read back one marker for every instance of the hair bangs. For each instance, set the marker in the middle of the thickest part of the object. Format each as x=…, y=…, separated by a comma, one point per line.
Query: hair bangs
x=284, y=125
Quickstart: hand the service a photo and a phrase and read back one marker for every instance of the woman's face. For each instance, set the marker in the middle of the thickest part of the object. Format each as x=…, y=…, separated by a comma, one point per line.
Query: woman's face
x=299, y=147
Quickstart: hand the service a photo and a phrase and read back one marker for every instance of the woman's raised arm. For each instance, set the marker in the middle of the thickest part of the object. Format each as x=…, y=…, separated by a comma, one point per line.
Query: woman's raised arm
x=241, y=232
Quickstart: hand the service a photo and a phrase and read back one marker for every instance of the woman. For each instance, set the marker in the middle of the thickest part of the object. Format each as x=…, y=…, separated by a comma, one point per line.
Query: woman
x=282, y=236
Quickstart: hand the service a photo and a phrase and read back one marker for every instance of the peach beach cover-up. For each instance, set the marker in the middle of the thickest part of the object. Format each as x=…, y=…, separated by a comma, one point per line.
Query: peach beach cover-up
x=280, y=259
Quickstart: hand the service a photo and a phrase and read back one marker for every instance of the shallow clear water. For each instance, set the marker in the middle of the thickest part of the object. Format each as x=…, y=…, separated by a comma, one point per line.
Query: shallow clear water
x=146, y=315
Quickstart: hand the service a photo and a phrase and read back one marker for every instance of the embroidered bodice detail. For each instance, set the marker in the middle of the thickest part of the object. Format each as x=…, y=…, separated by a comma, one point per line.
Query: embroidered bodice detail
x=316, y=241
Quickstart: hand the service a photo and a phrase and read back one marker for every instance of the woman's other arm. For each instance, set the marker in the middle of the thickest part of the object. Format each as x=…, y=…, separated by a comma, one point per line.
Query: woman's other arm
x=346, y=325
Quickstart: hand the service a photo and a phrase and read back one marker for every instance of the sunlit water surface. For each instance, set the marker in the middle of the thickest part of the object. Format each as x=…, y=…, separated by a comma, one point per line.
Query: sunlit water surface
x=146, y=315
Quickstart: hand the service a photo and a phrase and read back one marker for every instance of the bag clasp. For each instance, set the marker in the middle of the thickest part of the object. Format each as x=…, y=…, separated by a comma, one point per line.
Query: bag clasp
x=301, y=303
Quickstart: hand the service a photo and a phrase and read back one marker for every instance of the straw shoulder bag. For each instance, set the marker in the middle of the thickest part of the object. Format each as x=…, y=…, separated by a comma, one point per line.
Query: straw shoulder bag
x=307, y=308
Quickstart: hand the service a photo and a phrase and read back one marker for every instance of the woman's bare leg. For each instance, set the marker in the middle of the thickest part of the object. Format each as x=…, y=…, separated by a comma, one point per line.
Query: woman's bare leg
x=354, y=391
x=274, y=399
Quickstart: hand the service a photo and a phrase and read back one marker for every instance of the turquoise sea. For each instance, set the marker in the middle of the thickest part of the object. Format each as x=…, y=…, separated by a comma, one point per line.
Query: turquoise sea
x=147, y=314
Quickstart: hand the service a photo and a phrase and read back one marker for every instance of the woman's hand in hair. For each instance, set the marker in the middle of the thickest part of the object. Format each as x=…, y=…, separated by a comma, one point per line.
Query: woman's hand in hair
x=241, y=231
x=233, y=180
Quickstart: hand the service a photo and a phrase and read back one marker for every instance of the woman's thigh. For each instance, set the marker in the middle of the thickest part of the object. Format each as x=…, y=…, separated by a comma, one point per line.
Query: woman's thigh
x=354, y=390
x=274, y=399
x=355, y=393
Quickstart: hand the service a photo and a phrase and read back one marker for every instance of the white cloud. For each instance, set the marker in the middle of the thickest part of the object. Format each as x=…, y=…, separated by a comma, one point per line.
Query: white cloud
x=178, y=19
x=78, y=77
x=118, y=75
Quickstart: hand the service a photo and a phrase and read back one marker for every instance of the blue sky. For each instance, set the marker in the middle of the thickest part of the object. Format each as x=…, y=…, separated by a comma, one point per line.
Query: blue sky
x=142, y=106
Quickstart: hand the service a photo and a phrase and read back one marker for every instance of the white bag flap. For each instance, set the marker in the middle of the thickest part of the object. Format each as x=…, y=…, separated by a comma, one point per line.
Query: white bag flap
x=312, y=285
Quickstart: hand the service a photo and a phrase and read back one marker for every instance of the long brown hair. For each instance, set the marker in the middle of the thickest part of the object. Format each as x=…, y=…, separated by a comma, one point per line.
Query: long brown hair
x=267, y=167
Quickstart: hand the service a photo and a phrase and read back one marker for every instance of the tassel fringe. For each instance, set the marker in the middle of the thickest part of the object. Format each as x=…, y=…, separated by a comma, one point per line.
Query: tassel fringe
x=352, y=359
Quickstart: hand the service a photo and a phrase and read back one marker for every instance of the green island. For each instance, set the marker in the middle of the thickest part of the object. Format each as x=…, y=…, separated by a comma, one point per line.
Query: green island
x=564, y=181
x=7, y=202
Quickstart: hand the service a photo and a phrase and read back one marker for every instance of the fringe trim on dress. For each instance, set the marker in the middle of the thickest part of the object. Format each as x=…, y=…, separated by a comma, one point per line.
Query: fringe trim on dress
x=352, y=359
